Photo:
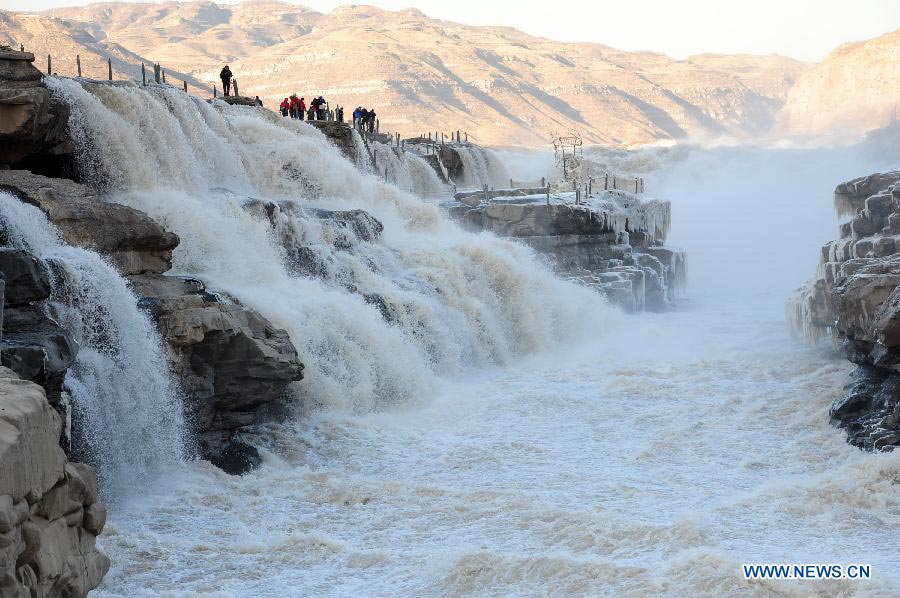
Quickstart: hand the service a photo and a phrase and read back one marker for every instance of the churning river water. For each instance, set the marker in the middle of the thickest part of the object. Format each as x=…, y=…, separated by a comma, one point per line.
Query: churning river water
x=655, y=460
x=509, y=434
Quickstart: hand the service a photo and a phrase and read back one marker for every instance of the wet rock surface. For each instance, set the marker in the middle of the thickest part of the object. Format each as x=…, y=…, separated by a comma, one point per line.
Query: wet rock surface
x=855, y=299
x=33, y=344
x=132, y=240
x=234, y=366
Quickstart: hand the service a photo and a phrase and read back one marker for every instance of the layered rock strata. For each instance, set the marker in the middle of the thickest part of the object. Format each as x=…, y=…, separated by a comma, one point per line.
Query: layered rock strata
x=32, y=122
x=234, y=365
x=613, y=243
x=855, y=299
x=49, y=513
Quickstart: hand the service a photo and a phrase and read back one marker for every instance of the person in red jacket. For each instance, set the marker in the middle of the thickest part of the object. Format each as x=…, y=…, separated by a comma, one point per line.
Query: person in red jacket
x=294, y=103
x=301, y=109
x=285, y=107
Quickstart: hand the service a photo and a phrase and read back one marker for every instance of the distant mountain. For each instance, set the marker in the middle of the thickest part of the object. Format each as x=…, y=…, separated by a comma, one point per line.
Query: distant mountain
x=504, y=87
x=855, y=89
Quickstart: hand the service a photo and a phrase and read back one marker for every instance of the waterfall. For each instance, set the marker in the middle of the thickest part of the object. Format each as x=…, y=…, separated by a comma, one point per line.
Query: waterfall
x=128, y=411
x=408, y=171
x=481, y=166
x=375, y=317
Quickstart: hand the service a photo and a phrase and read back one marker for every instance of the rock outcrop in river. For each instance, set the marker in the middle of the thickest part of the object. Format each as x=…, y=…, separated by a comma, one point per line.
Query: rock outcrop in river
x=855, y=298
x=613, y=241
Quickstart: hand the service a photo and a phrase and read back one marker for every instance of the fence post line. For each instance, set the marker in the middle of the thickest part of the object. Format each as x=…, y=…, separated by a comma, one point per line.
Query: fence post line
x=542, y=182
x=234, y=83
x=548, y=192
x=109, y=64
x=49, y=65
x=467, y=137
x=590, y=185
x=164, y=75
x=214, y=90
x=78, y=63
x=144, y=74
x=614, y=181
x=21, y=47
x=185, y=86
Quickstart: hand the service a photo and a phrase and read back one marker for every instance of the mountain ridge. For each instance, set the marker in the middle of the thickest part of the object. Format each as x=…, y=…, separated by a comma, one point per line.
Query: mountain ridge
x=503, y=86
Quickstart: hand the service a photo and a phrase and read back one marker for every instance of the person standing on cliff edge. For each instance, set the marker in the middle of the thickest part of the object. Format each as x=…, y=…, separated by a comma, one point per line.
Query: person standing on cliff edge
x=225, y=76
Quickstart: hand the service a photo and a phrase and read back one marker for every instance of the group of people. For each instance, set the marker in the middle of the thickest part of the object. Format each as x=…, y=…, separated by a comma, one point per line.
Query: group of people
x=318, y=109
x=364, y=119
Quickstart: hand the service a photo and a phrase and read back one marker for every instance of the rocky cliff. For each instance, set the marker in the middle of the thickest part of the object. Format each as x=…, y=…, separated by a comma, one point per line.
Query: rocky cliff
x=233, y=365
x=855, y=299
x=612, y=241
x=49, y=512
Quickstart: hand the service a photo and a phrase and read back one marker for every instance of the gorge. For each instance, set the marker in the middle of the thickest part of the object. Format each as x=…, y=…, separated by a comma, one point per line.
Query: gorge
x=420, y=395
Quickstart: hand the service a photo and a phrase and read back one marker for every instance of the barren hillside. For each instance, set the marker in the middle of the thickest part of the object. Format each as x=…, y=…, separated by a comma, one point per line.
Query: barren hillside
x=853, y=90
x=501, y=85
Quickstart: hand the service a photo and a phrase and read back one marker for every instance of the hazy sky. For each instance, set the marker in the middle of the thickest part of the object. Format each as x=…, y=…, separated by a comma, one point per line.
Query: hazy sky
x=805, y=29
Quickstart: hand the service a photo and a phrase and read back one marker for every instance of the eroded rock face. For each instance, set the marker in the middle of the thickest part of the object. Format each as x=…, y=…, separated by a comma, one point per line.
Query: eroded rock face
x=33, y=344
x=49, y=513
x=234, y=365
x=341, y=134
x=32, y=122
x=856, y=298
x=603, y=249
x=132, y=240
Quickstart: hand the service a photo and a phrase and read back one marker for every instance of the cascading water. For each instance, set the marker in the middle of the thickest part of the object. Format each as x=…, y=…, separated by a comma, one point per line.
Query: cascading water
x=481, y=166
x=408, y=171
x=656, y=464
x=424, y=299
x=128, y=416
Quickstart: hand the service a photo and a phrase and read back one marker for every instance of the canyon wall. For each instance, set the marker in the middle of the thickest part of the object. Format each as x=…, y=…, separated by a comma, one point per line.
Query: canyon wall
x=855, y=300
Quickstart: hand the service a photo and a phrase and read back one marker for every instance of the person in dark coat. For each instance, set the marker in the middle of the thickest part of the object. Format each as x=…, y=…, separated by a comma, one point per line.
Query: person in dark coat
x=225, y=76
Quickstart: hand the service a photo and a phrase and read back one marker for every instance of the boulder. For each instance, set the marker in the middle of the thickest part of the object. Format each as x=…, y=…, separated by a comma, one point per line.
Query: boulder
x=134, y=242
x=32, y=344
x=234, y=365
x=26, y=276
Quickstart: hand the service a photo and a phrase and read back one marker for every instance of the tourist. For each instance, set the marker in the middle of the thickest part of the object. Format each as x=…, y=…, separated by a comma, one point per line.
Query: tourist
x=357, y=115
x=321, y=109
x=301, y=108
x=259, y=102
x=372, y=121
x=339, y=114
x=225, y=75
x=295, y=103
x=286, y=108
